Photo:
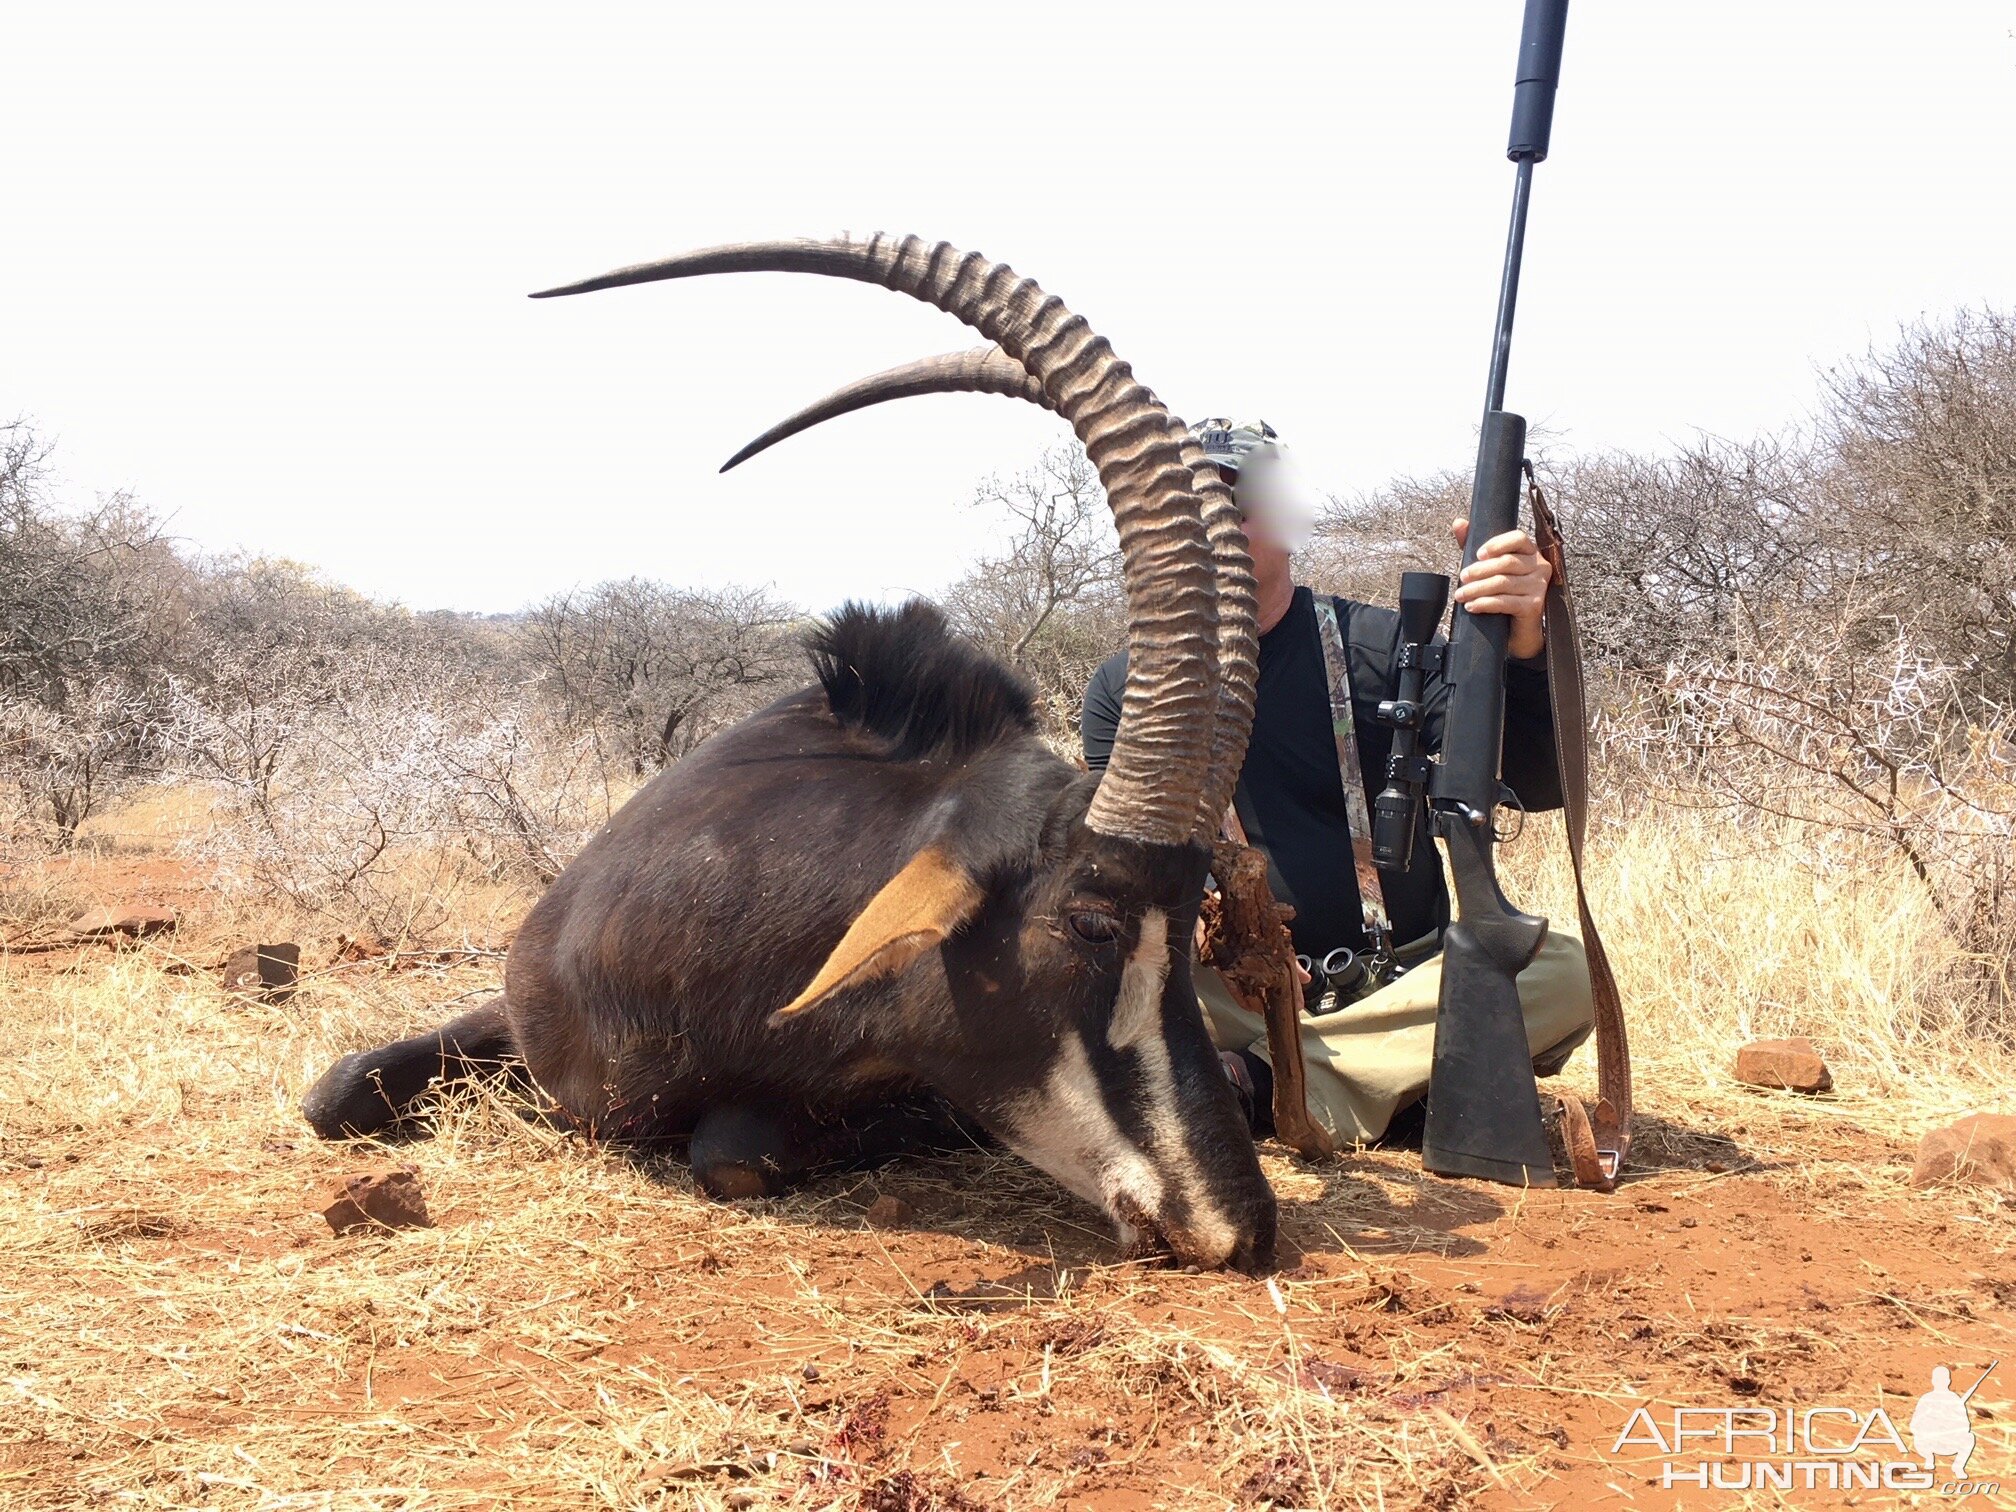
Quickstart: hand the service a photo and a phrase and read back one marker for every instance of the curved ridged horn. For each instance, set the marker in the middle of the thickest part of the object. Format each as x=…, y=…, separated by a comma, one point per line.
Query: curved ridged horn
x=1153, y=783
x=989, y=370
x=981, y=370
x=1238, y=635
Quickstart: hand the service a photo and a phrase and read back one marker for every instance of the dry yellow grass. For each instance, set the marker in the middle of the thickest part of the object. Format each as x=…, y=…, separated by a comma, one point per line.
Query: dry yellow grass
x=178, y=1328
x=1724, y=936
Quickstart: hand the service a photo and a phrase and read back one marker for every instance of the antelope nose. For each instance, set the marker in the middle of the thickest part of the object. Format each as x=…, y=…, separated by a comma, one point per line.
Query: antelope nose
x=1255, y=1254
x=1246, y=1243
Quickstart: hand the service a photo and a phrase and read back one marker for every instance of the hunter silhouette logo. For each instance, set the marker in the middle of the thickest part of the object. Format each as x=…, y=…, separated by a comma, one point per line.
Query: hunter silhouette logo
x=1835, y=1448
x=1940, y=1424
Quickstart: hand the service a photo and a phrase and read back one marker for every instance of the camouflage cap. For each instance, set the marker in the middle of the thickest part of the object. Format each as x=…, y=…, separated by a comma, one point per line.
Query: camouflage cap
x=1228, y=443
x=1272, y=495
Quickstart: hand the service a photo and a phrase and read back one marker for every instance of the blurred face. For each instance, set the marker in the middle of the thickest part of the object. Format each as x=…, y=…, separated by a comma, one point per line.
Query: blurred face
x=1270, y=555
x=1274, y=495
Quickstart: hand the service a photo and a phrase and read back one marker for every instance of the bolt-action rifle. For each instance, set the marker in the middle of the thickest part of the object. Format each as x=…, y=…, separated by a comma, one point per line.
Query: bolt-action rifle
x=1483, y=1106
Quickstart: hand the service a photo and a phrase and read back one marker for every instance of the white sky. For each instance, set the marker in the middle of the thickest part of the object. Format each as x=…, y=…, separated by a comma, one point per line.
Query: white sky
x=265, y=265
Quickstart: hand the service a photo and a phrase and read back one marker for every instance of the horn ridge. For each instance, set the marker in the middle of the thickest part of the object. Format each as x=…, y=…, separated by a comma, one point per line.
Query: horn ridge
x=989, y=370
x=1153, y=782
x=1238, y=636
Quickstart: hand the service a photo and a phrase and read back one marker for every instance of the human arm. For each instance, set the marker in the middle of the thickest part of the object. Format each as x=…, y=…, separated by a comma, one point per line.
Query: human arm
x=1099, y=717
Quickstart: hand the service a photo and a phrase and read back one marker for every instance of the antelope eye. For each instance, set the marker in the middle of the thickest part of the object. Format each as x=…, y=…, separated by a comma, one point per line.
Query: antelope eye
x=1093, y=926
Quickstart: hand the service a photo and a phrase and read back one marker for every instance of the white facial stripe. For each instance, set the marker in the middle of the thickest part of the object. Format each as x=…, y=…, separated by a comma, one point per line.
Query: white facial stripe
x=1065, y=1129
x=1208, y=1227
x=1068, y=1130
x=1136, y=1026
x=1137, y=1013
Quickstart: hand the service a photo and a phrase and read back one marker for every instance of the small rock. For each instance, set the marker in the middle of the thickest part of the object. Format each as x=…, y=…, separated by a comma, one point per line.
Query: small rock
x=1979, y=1150
x=889, y=1212
x=364, y=947
x=241, y=972
x=133, y=919
x=265, y=972
x=33, y=1162
x=811, y=1372
x=1792, y=1064
x=378, y=1199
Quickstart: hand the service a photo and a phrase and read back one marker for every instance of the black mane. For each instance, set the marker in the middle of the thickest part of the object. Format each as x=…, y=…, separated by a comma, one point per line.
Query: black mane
x=903, y=675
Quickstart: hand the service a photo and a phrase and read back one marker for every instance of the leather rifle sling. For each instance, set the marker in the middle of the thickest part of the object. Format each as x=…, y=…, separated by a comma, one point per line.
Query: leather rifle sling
x=1599, y=1138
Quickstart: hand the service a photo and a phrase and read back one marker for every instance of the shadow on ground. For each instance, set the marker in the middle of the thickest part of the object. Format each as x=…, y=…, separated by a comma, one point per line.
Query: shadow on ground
x=1375, y=1201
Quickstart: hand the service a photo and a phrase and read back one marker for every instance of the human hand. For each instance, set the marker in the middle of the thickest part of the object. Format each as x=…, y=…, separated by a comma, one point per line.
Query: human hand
x=1509, y=577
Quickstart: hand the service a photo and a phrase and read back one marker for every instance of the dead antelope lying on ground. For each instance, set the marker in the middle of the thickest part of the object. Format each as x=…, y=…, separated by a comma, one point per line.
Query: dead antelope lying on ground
x=885, y=884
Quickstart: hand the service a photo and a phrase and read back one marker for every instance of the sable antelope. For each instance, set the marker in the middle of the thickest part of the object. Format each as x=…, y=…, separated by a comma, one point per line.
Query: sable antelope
x=886, y=884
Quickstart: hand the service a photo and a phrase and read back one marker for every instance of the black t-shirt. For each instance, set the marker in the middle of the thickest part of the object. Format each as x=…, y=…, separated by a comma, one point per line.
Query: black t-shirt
x=1291, y=797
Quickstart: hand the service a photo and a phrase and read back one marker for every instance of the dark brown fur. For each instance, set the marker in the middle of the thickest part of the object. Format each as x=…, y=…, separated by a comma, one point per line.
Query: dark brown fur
x=639, y=990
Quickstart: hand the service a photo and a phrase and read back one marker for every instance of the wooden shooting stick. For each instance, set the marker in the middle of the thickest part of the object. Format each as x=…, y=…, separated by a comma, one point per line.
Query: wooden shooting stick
x=1249, y=945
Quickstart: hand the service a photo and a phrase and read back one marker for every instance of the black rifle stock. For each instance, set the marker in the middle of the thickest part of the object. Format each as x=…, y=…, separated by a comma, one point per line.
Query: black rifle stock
x=1483, y=1106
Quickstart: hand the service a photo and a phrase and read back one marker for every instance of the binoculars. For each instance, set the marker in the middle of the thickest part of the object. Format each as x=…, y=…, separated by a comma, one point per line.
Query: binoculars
x=1336, y=980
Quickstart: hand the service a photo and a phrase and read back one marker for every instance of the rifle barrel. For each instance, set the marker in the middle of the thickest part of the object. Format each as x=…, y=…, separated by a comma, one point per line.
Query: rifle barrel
x=1537, y=77
x=1508, y=288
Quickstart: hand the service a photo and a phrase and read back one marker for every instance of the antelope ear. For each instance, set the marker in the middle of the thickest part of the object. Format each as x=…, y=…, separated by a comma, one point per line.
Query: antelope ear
x=918, y=907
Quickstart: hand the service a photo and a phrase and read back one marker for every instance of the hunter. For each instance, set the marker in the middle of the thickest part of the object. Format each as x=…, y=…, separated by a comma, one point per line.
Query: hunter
x=1317, y=758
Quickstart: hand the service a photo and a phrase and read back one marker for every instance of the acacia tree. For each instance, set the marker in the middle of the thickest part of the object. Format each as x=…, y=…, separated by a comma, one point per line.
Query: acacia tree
x=80, y=597
x=1918, y=485
x=1363, y=543
x=1051, y=603
x=269, y=648
x=61, y=767
x=653, y=669
x=75, y=598
x=1820, y=624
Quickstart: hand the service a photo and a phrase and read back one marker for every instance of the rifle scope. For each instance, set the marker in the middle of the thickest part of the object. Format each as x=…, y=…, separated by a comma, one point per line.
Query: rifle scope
x=1396, y=812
